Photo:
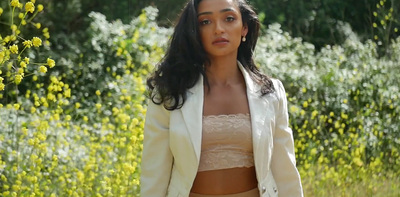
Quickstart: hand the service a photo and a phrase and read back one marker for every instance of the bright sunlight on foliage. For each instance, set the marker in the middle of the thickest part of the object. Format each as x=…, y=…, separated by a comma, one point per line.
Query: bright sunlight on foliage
x=74, y=126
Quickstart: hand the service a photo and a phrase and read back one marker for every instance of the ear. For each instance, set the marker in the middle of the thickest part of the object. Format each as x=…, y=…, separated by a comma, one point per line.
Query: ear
x=245, y=30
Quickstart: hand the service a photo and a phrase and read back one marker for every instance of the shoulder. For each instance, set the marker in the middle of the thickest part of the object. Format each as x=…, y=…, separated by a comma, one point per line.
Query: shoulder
x=279, y=88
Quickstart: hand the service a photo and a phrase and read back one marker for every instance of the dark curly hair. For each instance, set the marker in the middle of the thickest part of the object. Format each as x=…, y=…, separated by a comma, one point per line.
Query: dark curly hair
x=183, y=62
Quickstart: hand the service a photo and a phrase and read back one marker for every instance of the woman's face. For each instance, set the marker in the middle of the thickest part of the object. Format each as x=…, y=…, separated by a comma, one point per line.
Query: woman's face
x=221, y=27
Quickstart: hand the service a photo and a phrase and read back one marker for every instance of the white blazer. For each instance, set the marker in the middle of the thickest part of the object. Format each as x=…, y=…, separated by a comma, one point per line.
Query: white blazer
x=172, y=144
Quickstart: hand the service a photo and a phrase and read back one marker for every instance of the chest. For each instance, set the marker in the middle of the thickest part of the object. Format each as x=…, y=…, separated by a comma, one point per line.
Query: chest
x=225, y=100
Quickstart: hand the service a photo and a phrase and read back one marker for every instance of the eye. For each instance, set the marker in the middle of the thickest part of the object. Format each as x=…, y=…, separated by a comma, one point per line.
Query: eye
x=205, y=22
x=230, y=18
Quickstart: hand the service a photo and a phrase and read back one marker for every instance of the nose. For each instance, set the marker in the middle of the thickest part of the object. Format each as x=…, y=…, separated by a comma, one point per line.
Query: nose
x=219, y=29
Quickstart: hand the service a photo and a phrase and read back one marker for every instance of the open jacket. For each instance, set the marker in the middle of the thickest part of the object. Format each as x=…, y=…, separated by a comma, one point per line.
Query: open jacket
x=172, y=144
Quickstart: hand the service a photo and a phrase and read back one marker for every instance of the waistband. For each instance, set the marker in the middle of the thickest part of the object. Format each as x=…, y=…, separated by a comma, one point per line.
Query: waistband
x=251, y=193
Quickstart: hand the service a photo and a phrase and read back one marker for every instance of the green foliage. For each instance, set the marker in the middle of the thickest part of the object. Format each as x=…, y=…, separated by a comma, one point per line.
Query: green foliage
x=342, y=110
x=54, y=144
x=77, y=130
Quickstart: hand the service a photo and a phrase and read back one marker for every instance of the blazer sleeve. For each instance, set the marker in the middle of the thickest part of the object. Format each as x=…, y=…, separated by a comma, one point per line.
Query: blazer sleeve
x=157, y=158
x=283, y=164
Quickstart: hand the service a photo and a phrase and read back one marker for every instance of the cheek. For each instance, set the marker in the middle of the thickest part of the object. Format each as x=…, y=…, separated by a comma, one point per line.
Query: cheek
x=204, y=36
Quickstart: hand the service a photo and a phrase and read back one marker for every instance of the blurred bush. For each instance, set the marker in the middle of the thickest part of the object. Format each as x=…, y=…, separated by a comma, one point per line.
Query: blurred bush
x=342, y=105
x=77, y=129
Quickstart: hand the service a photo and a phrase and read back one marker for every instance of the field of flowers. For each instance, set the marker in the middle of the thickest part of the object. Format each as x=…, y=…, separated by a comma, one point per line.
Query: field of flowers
x=74, y=126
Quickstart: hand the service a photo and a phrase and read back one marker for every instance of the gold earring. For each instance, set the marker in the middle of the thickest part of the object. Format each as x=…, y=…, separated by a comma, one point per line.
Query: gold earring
x=244, y=39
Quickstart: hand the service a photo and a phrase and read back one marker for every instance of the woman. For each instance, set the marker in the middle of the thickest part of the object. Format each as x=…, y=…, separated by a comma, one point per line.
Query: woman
x=215, y=125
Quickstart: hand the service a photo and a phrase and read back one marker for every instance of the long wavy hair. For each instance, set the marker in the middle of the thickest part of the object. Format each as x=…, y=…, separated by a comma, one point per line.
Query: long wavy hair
x=183, y=62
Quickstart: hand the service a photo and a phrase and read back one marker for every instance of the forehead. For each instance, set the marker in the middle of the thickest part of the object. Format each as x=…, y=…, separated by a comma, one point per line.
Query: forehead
x=217, y=5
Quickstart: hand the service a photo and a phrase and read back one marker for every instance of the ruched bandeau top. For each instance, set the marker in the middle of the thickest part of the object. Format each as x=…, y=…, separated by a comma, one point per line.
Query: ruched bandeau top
x=226, y=142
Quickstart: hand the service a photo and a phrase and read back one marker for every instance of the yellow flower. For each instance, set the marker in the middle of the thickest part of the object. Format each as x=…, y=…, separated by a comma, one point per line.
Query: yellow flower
x=305, y=104
x=18, y=79
x=29, y=7
x=40, y=7
x=17, y=106
x=27, y=43
x=37, y=42
x=38, y=25
x=33, y=1
x=14, y=49
x=14, y=27
x=98, y=92
x=68, y=117
x=51, y=62
x=20, y=15
x=43, y=69
x=2, y=86
x=1, y=11
x=14, y=3
x=26, y=60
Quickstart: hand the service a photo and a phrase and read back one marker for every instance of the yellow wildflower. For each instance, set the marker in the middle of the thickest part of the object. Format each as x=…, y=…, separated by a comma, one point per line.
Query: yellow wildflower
x=14, y=3
x=14, y=27
x=33, y=1
x=40, y=7
x=98, y=92
x=46, y=35
x=1, y=11
x=51, y=62
x=43, y=69
x=17, y=106
x=18, y=79
x=68, y=117
x=29, y=7
x=33, y=109
x=37, y=42
x=26, y=60
x=14, y=49
x=38, y=25
x=27, y=43
x=305, y=104
x=23, y=22
x=2, y=86
x=20, y=15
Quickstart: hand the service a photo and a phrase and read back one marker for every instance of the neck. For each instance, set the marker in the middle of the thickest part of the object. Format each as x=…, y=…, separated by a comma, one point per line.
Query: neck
x=223, y=71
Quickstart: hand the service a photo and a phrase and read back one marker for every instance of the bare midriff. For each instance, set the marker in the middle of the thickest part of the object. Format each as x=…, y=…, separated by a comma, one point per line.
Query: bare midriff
x=225, y=181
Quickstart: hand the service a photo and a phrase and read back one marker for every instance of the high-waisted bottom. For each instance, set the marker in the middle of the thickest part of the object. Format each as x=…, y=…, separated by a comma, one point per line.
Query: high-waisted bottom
x=251, y=193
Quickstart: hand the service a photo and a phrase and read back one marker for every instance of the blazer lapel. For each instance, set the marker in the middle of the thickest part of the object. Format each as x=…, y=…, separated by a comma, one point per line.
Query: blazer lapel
x=192, y=112
x=260, y=108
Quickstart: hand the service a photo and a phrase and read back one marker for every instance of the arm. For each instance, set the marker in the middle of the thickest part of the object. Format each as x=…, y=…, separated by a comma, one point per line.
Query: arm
x=283, y=164
x=156, y=156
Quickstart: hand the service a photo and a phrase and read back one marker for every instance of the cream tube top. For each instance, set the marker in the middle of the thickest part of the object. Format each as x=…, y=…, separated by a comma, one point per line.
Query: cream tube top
x=226, y=142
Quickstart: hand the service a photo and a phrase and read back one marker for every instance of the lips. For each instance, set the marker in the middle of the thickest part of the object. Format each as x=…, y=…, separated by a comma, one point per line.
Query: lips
x=220, y=41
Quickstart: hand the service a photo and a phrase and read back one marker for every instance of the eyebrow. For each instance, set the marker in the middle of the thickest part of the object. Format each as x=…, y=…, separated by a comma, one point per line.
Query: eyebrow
x=223, y=10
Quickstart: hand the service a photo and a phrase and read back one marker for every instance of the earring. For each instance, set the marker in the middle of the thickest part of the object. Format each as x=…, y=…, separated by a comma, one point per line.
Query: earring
x=244, y=39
